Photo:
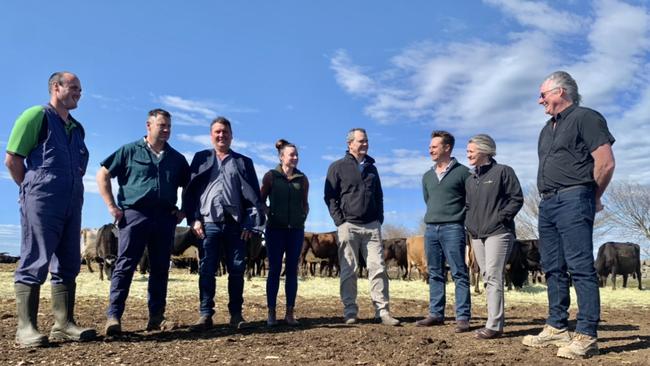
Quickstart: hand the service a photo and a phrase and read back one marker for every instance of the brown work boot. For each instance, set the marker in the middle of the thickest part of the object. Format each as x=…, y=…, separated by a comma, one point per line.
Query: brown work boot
x=581, y=346
x=548, y=336
x=462, y=326
x=290, y=319
x=158, y=322
x=429, y=321
x=204, y=323
x=112, y=327
x=237, y=321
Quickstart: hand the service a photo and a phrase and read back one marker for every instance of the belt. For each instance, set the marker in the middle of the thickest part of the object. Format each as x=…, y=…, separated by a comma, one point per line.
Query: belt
x=548, y=194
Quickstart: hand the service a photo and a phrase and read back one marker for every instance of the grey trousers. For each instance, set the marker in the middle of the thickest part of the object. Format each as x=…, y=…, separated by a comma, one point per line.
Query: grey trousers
x=364, y=239
x=492, y=254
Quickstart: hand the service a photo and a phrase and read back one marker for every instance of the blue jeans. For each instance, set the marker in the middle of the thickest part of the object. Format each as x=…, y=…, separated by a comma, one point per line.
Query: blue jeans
x=279, y=243
x=446, y=242
x=566, y=222
x=222, y=237
x=137, y=230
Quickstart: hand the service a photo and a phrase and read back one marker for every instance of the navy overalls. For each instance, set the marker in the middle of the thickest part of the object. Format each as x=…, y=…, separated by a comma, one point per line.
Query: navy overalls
x=51, y=197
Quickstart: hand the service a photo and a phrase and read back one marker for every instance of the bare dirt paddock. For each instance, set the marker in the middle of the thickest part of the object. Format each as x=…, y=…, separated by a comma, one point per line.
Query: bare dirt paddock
x=322, y=339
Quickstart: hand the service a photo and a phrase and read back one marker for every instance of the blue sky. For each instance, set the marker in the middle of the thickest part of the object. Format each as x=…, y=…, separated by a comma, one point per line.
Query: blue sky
x=308, y=71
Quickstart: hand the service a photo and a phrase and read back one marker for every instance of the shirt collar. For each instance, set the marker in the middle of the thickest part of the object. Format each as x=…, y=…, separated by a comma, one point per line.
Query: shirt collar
x=564, y=114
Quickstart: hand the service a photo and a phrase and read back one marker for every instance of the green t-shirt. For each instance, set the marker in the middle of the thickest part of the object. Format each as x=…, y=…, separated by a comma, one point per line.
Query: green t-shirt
x=27, y=129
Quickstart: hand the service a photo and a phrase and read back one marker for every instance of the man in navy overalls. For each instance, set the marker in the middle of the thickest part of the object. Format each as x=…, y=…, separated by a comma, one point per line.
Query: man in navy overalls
x=51, y=143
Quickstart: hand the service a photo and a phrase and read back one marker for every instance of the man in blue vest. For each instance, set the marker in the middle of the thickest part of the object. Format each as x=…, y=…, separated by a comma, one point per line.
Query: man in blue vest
x=46, y=156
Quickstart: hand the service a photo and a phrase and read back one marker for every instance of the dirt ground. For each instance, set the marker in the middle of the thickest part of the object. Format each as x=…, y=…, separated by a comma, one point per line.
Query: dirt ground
x=321, y=339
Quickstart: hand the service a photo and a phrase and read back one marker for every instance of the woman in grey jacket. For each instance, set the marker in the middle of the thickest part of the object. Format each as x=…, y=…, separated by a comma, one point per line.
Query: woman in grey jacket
x=493, y=199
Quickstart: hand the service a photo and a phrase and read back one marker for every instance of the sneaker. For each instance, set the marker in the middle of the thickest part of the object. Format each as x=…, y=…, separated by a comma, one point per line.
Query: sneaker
x=237, y=322
x=158, y=322
x=204, y=323
x=386, y=319
x=350, y=320
x=548, y=336
x=112, y=327
x=581, y=346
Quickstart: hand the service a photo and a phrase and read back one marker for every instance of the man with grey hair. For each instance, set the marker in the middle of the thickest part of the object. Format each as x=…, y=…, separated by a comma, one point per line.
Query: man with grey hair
x=47, y=157
x=576, y=163
x=355, y=200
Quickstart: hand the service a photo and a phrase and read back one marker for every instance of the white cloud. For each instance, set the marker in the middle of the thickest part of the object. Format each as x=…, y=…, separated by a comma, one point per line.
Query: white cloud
x=540, y=15
x=491, y=87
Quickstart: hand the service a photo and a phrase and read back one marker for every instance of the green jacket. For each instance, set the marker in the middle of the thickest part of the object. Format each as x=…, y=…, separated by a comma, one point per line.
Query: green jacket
x=286, y=200
x=445, y=199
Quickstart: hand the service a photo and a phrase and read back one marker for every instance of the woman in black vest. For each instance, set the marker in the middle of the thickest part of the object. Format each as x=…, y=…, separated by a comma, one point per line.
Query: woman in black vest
x=287, y=189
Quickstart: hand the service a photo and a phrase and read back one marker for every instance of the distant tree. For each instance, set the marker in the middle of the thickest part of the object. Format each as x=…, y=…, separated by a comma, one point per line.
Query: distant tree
x=629, y=208
x=391, y=231
x=526, y=220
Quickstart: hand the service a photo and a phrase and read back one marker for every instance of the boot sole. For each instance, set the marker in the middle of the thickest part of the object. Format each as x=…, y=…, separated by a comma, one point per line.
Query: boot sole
x=575, y=356
x=546, y=344
x=44, y=342
x=85, y=336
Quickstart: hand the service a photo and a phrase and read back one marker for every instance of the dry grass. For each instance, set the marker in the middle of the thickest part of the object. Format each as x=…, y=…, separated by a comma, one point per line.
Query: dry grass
x=183, y=285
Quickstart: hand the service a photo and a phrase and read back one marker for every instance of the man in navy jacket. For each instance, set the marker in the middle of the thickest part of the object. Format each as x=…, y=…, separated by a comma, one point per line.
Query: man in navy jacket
x=223, y=206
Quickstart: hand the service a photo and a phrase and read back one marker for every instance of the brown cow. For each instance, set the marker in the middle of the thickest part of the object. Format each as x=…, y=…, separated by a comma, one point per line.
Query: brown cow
x=88, y=246
x=416, y=257
x=106, y=249
x=324, y=246
x=472, y=265
x=395, y=249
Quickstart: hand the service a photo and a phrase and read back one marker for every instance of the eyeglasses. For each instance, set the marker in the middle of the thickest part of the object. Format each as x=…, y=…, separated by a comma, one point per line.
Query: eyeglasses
x=543, y=94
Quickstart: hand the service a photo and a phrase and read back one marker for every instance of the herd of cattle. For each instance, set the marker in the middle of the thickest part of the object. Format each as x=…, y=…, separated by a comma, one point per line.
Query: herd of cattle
x=319, y=251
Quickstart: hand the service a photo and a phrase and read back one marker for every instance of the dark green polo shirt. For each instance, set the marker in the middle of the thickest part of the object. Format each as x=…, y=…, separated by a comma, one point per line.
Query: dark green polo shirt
x=145, y=181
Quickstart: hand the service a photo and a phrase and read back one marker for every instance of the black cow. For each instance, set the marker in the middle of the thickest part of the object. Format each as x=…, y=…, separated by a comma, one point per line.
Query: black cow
x=530, y=254
x=106, y=250
x=516, y=271
x=184, y=238
x=6, y=258
x=618, y=259
x=255, y=256
x=395, y=249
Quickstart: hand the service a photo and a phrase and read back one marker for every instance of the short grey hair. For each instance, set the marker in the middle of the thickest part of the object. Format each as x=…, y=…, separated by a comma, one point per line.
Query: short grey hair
x=484, y=144
x=563, y=80
x=350, y=136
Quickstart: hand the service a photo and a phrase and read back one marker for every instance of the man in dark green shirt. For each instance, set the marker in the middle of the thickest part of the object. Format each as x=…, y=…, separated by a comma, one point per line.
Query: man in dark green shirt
x=149, y=172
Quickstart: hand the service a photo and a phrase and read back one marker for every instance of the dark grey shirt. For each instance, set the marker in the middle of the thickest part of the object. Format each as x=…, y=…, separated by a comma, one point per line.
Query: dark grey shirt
x=565, y=151
x=223, y=193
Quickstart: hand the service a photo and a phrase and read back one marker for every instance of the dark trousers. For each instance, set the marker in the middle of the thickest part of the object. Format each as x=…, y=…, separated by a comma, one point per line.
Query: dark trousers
x=138, y=229
x=566, y=222
x=283, y=243
x=51, y=227
x=222, y=237
x=446, y=242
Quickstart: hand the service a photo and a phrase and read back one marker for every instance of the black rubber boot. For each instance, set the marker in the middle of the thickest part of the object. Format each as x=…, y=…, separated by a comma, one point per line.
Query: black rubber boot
x=27, y=334
x=65, y=328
